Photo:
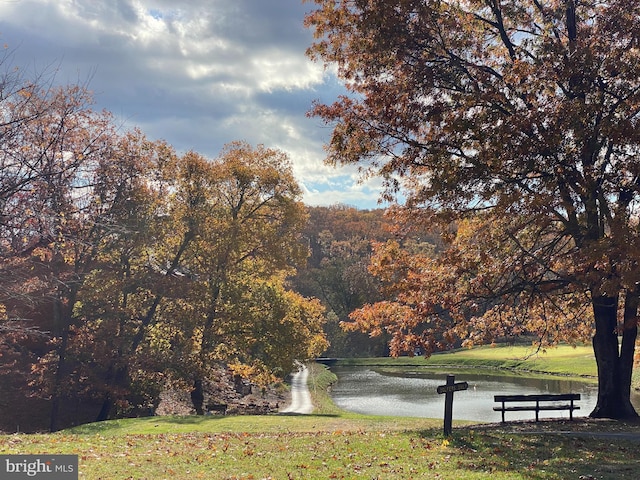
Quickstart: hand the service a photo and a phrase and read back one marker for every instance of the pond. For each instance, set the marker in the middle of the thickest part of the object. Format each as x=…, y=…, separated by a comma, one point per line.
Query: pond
x=412, y=393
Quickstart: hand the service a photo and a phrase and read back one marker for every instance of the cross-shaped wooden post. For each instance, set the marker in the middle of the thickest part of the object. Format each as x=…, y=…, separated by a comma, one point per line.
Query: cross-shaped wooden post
x=448, y=390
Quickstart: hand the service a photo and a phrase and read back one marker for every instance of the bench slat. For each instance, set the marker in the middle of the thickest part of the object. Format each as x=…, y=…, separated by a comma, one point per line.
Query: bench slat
x=533, y=398
x=533, y=408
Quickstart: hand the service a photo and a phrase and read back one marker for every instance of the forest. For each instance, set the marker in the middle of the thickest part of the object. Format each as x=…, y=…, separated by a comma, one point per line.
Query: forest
x=511, y=133
x=129, y=270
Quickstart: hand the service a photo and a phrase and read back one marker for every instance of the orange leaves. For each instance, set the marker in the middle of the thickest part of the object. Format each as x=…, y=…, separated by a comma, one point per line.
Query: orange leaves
x=492, y=281
x=467, y=108
x=379, y=317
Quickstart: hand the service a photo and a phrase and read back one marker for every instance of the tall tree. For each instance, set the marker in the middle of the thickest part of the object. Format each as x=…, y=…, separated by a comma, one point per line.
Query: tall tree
x=26, y=104
x=251, y=230
x=121, y=293
x=57, y=213
x=525, y=110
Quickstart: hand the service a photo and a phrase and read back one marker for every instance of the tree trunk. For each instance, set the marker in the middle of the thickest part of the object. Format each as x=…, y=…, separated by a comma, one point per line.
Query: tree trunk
x=61, y=328
x=613, y=367
x=105, y=410
x=628, y=347
x=197, y=396
x=114, y=380
x=197, y=393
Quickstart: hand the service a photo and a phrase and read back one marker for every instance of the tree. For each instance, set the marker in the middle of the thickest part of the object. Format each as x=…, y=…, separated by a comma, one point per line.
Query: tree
x=55, y=216
x=26, y=104
x=56, y=201
x=120, y=294
x=196, y=280
x=525, y=110
x=249, y=234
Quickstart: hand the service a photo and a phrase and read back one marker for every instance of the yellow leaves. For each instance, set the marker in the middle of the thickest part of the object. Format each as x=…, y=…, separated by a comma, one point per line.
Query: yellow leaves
x=69, y=256
x=245, y=371
x=318, y=343
x=25, y=93
x=43, y=254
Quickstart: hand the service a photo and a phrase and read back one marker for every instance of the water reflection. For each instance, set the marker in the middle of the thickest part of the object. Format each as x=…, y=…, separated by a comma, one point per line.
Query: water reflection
x=413, y=394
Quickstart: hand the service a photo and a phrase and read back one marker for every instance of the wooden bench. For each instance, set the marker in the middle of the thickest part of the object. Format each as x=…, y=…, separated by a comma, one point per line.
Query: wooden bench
x=529, y=401
x=219, y=408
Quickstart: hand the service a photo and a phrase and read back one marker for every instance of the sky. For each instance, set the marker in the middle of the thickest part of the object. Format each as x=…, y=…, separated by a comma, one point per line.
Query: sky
x=196, y=73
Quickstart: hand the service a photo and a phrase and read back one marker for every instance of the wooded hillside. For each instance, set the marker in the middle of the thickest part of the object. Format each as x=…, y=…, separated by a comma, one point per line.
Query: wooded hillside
x=342, y=240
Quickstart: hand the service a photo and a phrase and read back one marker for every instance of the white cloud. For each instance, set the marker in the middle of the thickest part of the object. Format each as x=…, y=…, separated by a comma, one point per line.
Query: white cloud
x=198, y=73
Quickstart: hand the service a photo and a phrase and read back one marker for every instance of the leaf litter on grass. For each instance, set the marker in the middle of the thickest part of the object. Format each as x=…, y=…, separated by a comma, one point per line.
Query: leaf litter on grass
x=519, y=450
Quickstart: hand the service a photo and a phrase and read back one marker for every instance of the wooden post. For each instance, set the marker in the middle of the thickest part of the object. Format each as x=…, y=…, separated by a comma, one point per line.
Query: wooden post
x=448, y=390
x=448, y=406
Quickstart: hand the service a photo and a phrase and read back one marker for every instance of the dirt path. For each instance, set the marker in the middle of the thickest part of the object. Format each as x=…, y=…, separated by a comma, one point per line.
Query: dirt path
x=300, y=396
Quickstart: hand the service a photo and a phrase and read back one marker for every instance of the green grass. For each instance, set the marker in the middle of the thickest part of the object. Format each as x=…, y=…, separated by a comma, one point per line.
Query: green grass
x=335, y=444
x=250, y=424
x=325, y=446
x=320, y=380
x=562, y=360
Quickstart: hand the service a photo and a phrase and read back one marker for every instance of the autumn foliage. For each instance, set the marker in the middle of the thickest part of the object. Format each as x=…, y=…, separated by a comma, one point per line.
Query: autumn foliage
x=128, y=268
x=513, y=125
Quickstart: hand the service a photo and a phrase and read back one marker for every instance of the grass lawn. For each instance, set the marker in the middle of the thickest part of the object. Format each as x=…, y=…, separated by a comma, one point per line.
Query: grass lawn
x=577, y=362
x=562, y=360
x=326, y=446
x=334, y=444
